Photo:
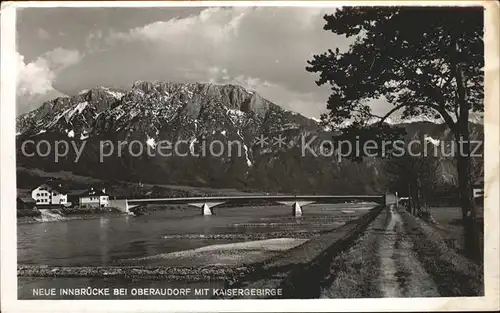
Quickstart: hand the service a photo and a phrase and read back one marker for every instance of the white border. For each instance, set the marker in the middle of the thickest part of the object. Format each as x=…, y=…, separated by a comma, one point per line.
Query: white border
x=339, y=3
x=8, y=272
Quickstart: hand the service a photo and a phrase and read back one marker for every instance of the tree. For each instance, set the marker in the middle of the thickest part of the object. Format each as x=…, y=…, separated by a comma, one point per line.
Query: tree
x=423, y=61
x=415, y=176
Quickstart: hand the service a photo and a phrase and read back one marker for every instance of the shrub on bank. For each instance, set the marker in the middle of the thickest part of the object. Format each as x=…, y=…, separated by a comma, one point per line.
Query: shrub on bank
x=151, y=208
x=88, y=210
x=28, y=213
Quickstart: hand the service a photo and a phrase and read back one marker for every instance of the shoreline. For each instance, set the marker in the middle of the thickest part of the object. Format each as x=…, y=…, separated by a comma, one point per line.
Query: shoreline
x=143, y=272
x=68, y=217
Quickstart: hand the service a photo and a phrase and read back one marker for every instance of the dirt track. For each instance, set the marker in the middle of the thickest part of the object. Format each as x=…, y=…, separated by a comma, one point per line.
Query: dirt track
x=400, y=256
x=401, y=274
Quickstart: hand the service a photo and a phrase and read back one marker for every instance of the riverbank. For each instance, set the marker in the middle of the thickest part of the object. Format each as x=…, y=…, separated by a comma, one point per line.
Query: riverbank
x=66, y=217
x=170, y=273
x=208, y=263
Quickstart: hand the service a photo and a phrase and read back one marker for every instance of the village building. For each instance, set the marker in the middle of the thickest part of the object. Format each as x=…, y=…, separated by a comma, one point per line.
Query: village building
x=94, y=197
x=478, y=192
x=25, y=203
x=50, y=193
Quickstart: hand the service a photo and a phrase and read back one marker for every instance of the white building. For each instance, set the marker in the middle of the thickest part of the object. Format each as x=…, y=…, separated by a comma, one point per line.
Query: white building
x=94, y=198
x=49, y=194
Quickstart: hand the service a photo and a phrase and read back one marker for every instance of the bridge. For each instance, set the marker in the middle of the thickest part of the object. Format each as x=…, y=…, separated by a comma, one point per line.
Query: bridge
x=207, y=203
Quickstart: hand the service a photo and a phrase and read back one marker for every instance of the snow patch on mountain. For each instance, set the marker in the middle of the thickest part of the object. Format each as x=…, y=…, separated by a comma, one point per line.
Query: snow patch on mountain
x=235, y=112
x=84, y=135
x=191, y=145
x=81, y=106
x=249, y=163
x=473, y=118
x=476, y=117
x=134, y=112
x=195, y=122
x=245, y=148
x=70, y=112
x=151, y=142
x=415, y=119
x=434, y=141
x=118, y=95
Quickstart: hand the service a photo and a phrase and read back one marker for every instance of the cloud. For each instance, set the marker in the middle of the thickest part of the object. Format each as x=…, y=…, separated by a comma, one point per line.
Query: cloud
x=307, y=103
x=43, y=34
x=35, y=79
x=263, y=48
x=212, y=26
x=60, y=58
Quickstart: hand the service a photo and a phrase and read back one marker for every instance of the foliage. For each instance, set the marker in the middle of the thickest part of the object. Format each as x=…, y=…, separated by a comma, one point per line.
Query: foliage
x=414, y=68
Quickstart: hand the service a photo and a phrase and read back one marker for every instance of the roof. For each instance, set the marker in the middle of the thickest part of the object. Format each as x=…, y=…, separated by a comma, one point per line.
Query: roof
x=57, y=186
x=93, y=192
x=77, y=192
x=54, y=185
x=26, y=199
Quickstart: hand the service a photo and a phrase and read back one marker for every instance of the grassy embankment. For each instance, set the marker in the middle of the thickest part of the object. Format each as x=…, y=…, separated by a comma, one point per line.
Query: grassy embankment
x=448, y=222
x=354, y=273
x=453, y=274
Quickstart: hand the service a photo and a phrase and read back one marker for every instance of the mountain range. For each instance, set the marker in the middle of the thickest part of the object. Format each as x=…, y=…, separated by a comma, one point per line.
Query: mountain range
x=198, y=114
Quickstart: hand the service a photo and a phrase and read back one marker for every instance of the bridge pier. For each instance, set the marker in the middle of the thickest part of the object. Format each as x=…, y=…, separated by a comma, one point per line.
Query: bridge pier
x=122, y=205
x=296, y=206
x=206, y=207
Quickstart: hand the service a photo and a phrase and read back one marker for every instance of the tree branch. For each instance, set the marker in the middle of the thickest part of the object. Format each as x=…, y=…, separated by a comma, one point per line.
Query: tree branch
x=439, y=108
x=391, y=112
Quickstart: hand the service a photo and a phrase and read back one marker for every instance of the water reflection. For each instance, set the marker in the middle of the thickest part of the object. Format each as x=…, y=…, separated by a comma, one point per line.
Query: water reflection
x=103, y=239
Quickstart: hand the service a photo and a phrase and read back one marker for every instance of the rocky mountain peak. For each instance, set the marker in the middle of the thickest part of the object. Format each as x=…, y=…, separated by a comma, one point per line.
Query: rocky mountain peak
x=152, y=106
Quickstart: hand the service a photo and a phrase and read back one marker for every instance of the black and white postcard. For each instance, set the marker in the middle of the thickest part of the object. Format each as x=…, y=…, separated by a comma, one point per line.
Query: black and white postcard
x=301, y=156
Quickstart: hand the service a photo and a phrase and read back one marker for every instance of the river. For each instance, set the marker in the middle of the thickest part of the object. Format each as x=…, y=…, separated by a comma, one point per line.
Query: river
x=156, y=239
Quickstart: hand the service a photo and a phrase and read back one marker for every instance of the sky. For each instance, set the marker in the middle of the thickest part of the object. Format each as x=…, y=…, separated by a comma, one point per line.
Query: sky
x=62, y=51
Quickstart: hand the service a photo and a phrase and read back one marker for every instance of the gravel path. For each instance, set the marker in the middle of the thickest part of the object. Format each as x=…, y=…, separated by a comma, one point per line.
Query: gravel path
x=400, y=256
x=400, y=273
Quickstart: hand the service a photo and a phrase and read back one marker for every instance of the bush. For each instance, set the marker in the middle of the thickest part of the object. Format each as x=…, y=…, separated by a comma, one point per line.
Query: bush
x=87, y=210
x=28, y=213
x=424, y=215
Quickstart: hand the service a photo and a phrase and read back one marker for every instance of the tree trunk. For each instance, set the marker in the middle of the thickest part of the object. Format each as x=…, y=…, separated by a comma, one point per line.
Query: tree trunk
x=417, y=198
x=472, y=246
x=410, y=206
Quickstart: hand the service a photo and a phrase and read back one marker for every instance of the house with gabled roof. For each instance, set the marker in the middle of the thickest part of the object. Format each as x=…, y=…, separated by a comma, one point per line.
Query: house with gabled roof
x=50, y=193
x=94, y=197
x=25, y=203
